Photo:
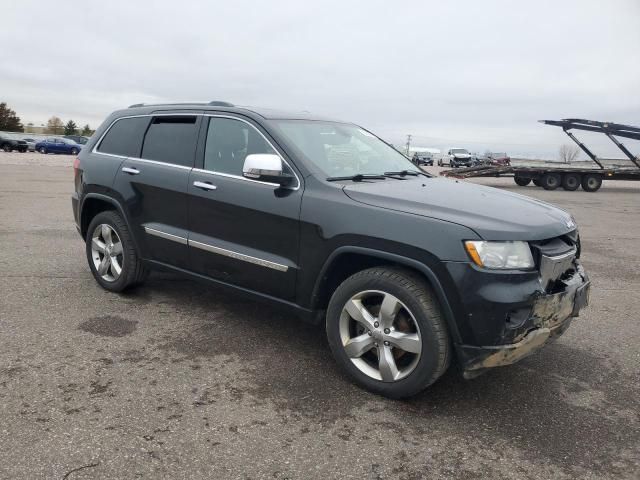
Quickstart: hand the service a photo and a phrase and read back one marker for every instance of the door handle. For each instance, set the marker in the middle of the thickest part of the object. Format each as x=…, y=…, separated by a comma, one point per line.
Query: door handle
x=131, y=171
x=204, y=186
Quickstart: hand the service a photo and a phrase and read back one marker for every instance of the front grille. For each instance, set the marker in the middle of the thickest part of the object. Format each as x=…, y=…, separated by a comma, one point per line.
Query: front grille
x=555, y=259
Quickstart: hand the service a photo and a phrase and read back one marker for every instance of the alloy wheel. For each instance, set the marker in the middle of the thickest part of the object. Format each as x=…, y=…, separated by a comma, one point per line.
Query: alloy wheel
x=106, y=252
x=380, y=335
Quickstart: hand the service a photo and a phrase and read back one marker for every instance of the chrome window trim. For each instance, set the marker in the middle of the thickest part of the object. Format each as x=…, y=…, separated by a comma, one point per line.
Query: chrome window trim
x=239, y=256
x=200, y=170
x=240, y=177
x=157, y=162
x=166, y=236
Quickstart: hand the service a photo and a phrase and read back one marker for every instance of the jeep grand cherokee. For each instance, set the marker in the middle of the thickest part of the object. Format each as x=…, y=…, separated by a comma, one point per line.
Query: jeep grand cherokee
x=408, y=272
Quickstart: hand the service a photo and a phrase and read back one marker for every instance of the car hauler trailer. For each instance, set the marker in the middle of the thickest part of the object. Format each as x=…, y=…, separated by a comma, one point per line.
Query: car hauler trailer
x=568, y=176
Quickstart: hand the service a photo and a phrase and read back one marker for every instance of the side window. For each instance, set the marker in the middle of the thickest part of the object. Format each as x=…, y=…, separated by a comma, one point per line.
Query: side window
x=171, y=139
x=228, y=143
x=125, y=137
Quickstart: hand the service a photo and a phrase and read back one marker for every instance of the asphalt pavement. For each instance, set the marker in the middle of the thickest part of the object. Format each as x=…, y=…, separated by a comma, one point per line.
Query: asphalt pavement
x=181, y=380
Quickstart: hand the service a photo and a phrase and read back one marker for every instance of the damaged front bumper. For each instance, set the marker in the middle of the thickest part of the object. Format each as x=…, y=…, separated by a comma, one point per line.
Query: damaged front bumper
x=549, y=316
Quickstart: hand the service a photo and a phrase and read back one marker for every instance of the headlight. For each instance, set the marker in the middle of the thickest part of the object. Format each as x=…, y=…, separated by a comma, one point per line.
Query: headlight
x=500, y=255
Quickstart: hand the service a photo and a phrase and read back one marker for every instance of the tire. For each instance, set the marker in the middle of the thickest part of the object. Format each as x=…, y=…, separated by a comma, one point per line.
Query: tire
x=132, y=271
x=418, y=316
x=522, y=181
x=536, y=182
x=551, y=181
x=43, y=150
x=7, y=148
x=591, y=182
x=571, y=181
x=74, y=151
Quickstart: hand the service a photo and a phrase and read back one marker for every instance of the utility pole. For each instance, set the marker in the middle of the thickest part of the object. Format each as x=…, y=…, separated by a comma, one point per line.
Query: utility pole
x=408, y=144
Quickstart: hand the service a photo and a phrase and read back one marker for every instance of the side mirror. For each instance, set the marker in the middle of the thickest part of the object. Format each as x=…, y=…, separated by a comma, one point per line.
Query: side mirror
x=266, y=167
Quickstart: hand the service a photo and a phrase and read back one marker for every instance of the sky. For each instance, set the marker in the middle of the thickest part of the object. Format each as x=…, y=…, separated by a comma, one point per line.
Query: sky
x=474, y=74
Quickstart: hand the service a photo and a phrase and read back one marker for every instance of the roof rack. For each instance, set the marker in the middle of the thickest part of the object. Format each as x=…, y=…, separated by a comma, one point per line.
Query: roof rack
x=213, y=103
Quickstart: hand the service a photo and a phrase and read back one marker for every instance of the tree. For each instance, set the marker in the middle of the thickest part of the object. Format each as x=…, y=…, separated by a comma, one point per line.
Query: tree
x=54, y=125
x=568, y=153
x=70, y=128
x=9, y=121
x=86, y=130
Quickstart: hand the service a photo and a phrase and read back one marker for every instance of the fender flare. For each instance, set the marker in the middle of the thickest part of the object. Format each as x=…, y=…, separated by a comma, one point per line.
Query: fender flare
x=115, y=203
x=432, y=278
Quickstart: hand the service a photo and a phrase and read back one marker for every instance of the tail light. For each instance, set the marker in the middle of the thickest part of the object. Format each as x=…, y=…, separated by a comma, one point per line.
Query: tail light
x=76, y=169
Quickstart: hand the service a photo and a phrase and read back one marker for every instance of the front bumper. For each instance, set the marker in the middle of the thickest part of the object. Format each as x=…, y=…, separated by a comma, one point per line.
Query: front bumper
x=519, y=328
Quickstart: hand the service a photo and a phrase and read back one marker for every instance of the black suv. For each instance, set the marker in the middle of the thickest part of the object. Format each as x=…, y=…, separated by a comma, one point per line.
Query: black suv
x=408, y=272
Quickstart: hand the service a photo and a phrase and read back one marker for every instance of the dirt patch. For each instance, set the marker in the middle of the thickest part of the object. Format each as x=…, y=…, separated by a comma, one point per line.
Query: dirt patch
x=109, y=326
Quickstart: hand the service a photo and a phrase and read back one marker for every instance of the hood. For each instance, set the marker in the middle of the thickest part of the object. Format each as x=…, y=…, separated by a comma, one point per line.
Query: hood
x=492, y=213
x=462, y=155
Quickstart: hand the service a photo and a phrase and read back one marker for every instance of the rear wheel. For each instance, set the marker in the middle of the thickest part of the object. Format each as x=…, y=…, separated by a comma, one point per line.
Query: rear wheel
x=43, y=150
x=522, y=181
x=6, y=147
x=591, y=182
x=111, y=254
x=550, y=181
x=386, y=330
x=571, y=181
x=74, y=151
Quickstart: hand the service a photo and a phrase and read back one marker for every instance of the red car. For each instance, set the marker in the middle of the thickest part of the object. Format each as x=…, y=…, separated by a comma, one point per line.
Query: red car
x=499, y=158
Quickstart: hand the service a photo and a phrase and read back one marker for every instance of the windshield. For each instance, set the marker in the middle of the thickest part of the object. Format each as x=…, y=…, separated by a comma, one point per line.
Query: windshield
x=339, y=149
x=459, y=150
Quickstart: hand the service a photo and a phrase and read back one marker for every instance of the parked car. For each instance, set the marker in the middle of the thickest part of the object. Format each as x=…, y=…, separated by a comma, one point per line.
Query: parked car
x=479, y=159
x=499, y=158
x=31, y=144
x=456, y=157
x=422, y=158
x=9, y=144
x=58, y=145
x=79, y=139
x=407, y=272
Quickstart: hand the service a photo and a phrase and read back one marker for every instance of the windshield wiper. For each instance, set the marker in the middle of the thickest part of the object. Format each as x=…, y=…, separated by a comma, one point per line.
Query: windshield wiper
x=403, y=173
x=357, y=178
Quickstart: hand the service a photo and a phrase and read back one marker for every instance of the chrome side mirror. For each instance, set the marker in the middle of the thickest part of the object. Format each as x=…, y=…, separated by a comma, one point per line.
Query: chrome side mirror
x=266, y=167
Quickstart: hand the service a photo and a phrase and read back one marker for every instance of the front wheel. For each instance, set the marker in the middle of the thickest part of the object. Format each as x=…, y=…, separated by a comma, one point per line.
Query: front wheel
x=74, y=151
x=386, y=330
x=43, y=150
x=111, y=253
x=6, y=147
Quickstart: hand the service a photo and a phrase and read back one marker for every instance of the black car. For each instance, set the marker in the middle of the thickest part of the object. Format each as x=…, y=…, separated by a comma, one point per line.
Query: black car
x=9, y=144
x=407, y=272
x=422, y=158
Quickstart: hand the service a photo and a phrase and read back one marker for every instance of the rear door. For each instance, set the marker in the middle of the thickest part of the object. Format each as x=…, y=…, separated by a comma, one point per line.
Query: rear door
x=243, y=232
x=154, y=186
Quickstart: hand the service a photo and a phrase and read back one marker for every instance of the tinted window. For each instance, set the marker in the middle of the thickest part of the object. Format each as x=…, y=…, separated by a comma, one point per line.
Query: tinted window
x=229, y=142
x=125, y=137
x=171, y=140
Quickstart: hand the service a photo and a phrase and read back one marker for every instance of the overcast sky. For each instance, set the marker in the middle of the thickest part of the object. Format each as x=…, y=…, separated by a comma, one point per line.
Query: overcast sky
x=475, y=74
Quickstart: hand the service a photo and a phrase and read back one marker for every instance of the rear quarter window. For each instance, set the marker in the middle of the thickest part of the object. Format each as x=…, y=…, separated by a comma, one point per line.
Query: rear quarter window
x=125, y=137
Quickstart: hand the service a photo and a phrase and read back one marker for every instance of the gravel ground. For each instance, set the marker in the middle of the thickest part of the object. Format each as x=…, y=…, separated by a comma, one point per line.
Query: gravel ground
x=181, y=380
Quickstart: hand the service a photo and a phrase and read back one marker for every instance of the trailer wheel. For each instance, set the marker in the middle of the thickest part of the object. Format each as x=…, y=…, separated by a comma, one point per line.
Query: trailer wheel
x=571, y=181
x=591, y=182
x=536, y=182
x=522, y=181
x=550, y=181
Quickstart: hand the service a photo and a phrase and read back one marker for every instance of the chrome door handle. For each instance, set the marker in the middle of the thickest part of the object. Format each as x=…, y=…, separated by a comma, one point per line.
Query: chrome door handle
x=204, y=186
x=131, y=171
